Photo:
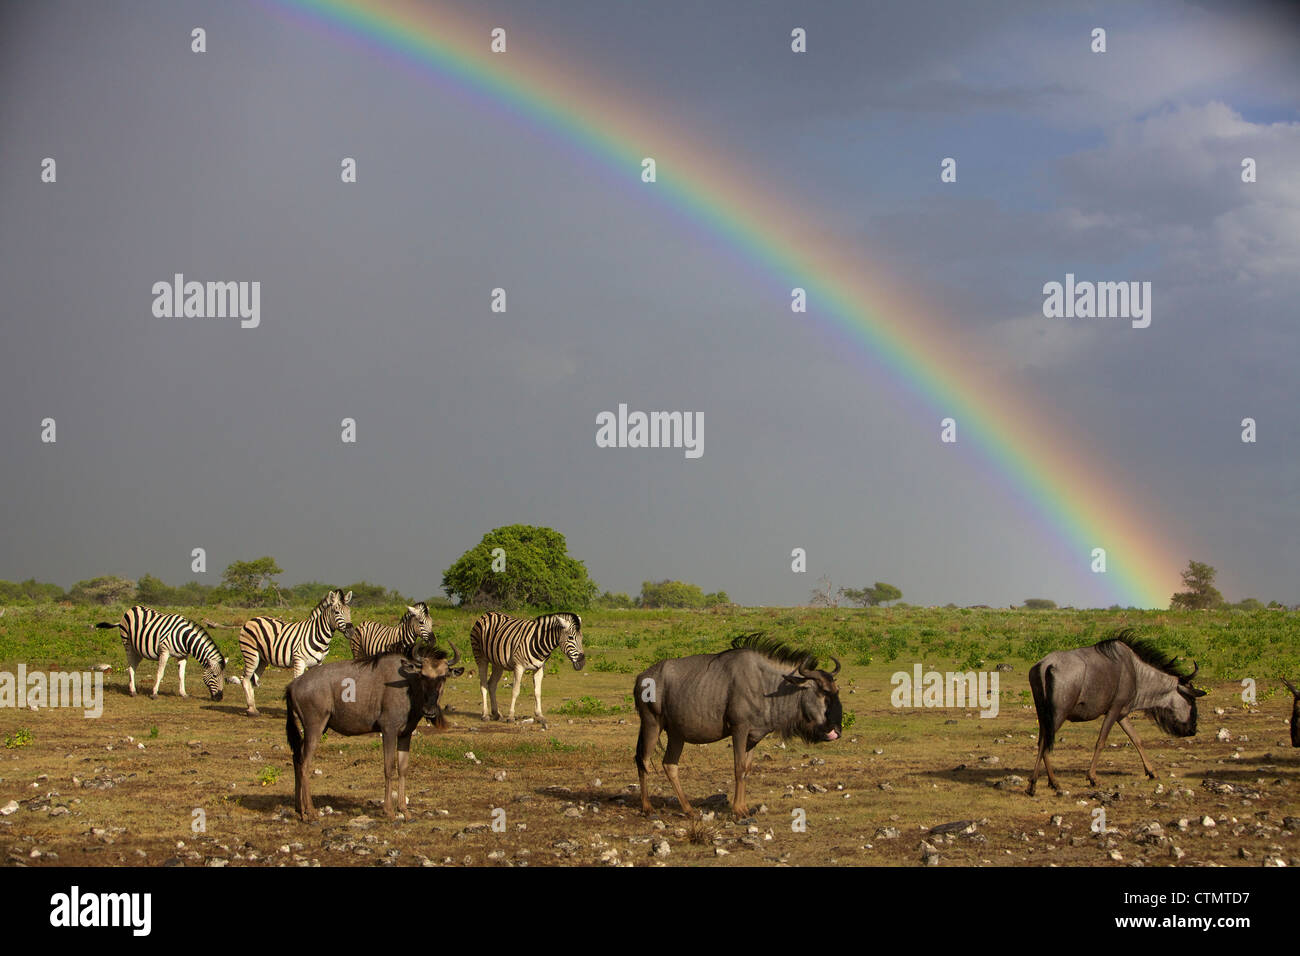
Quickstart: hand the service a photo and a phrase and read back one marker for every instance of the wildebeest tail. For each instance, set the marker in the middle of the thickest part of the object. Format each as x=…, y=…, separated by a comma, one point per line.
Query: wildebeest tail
x=1040, y=682
x=291, y=730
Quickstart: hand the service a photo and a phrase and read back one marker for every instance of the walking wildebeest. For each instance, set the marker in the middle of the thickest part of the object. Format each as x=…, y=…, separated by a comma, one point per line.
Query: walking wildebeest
x=1111, y=679
x=1295, y=713
x=758, y=687
x=389, y=694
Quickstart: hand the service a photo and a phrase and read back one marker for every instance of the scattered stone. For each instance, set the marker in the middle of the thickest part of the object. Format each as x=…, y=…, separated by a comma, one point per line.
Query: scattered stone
x=660, y=848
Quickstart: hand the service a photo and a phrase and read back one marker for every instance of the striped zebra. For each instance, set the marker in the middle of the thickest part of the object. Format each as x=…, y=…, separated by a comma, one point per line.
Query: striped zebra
x=150, y=634
x=506, y=641
x=370, y=638
x=300, y=645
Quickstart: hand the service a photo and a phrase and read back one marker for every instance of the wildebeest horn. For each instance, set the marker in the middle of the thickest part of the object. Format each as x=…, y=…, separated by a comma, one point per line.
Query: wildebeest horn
x=837, y=667
x=1195, y=669
x=456, y=655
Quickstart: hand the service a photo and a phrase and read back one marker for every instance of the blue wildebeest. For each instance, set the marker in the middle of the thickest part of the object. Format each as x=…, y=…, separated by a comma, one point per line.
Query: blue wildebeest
x=758, y=687
x=1295, y=713
x=1112, y=679
x=388, y=694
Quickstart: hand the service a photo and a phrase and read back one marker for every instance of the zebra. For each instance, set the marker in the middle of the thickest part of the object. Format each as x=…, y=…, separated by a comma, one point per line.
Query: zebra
x=505, y=641
x=370, y=638
x=150, y=634
x=302, y=644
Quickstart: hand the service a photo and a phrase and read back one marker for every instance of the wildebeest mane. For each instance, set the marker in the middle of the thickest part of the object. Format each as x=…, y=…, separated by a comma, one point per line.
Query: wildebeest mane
x=774, y=649
x=1145, y=650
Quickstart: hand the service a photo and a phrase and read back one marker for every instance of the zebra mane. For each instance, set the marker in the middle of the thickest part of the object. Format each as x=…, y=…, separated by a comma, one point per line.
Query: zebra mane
x=1145, y=650
x=774, y=649
x=572, y=619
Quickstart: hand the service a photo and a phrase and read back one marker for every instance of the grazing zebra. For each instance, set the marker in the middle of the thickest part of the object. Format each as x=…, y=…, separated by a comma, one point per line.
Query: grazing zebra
x=506, y=641
x=300, y=645
x=147, y=633
x=370, y=638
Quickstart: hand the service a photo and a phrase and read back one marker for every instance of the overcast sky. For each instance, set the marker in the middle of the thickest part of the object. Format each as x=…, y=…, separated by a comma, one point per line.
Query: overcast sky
x=177, y=433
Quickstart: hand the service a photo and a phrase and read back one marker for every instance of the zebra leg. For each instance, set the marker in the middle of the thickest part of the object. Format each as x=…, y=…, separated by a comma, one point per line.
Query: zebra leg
x=537, y=694
x=163, y=657
x=253, y=668
x=483, y=670
x=390, y=765
x=180, y=667
x=133, y=659
x=299, y=667
x=497, y=671
x=514, y=692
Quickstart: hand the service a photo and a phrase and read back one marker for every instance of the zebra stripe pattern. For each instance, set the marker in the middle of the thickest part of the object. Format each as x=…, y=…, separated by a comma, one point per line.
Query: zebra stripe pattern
x=504, y=641
x=370, y=638
x=152, y=635
x=270, y=641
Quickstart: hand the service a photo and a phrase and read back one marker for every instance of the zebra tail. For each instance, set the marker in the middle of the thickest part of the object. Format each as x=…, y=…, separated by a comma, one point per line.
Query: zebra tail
x=105, y=624
x=291, y=730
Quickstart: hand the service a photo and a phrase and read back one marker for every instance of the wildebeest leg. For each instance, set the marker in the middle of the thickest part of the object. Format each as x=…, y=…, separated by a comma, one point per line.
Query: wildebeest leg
x=744, y=758
x=403, y=755
x=514, y=691
x=311, y=737
x=672, y=754
x=390, y=765
x=163, y=657
x=644, y=747
x=133, y=659
x=180, y=667
x=537, y=695
x=1146, y=764
x=1107, y=722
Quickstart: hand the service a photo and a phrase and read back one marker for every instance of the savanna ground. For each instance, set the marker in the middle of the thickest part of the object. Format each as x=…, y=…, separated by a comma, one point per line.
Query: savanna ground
x=123, y=789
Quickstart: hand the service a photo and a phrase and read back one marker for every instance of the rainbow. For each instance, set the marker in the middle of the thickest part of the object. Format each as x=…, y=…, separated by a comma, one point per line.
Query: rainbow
x=1048, y=475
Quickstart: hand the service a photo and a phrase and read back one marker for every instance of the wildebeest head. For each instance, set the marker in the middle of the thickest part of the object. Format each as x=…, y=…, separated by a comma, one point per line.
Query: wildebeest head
x=572, y=639
x=820, y=714
x=1176, y=715
x=214, y=677
x=1295, y=713
x=427, y=668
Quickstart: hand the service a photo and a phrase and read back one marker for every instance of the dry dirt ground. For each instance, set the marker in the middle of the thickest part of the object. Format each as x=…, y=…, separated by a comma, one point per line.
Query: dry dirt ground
x=132, y=787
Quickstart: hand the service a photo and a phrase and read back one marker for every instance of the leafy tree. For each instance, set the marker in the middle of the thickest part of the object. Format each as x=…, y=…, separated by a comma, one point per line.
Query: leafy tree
x=252, y=583
x=608, y=599
x=151, y=590
x=1039, y=604
x=1198, y=578
x=716, y=598
x=872, y=596
x=365, y=594
x=538, y=572
x=108, y=589
x=30, y=591
x=671, y=594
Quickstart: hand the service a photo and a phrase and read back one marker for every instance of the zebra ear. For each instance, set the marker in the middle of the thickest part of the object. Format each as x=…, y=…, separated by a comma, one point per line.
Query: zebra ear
x=347, y=598
x=413, y=610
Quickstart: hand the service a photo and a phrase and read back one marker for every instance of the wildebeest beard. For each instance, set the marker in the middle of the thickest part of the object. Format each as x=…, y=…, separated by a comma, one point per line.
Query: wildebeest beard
x=1170, y=724
x=797, y=725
